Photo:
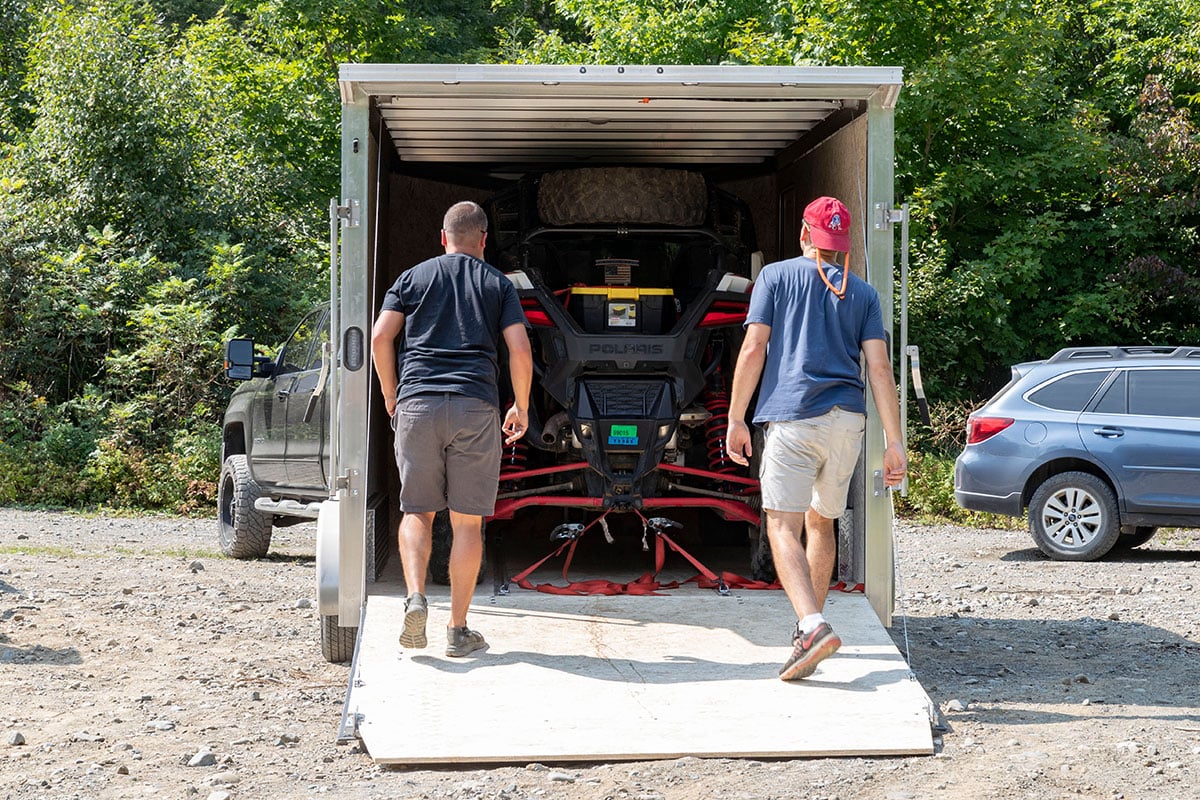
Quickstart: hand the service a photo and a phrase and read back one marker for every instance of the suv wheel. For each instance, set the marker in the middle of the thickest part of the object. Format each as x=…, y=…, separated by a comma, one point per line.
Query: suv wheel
x=1073, y=517
x=245, y=532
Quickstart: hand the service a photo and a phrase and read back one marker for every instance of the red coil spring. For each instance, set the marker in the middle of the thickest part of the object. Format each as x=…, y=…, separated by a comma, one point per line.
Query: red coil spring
x=514, y=458
x=716, y=400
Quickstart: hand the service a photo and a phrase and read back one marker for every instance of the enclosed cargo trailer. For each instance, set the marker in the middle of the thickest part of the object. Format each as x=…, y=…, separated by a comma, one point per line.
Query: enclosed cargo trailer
x=417, y=138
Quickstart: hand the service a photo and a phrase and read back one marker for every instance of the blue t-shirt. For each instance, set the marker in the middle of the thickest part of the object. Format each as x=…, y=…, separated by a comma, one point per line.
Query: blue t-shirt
x=812, y=359
x=455, y=308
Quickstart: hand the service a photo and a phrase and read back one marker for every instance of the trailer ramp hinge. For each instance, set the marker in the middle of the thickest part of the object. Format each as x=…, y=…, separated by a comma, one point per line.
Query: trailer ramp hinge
x=885, y=216
x=350, y=214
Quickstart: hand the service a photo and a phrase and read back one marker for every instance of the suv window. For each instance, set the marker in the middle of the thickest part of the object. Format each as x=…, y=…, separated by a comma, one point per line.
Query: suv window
x=1165, y=392
x=1070, y=392
x=1113, y=401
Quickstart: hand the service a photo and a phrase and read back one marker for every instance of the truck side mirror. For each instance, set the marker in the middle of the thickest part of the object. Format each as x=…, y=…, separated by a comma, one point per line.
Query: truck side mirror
x=240, y=362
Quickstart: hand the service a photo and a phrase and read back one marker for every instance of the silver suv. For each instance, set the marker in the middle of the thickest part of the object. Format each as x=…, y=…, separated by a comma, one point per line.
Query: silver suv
x=1100, y=444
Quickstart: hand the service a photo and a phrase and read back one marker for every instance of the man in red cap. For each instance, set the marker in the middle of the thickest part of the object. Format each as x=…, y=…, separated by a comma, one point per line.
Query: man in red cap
x=809, y=319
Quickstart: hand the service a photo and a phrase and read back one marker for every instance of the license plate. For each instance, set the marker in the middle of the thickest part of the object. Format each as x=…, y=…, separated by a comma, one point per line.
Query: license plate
x=625, y=435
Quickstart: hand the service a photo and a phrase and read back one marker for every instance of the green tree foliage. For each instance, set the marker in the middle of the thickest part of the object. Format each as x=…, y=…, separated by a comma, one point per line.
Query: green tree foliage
x=165, y=169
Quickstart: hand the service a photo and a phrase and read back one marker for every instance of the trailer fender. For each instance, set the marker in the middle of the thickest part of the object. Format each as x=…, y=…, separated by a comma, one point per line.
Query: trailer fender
x=328, y=529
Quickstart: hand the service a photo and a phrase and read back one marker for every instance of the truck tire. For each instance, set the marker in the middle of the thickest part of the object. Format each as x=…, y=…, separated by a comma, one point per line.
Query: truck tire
x=623, y=195
x=337, y=643
x=439, y=555
x=244, y=531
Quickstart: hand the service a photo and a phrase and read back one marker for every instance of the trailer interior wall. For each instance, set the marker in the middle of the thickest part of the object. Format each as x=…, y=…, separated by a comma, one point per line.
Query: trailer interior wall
x=410, y=211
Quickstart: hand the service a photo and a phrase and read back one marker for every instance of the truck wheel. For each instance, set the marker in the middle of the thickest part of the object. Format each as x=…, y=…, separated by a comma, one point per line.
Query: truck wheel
x=244, y=531
x=1073, y=517
x=623, y=195
x=439, y=556
x=337, y=643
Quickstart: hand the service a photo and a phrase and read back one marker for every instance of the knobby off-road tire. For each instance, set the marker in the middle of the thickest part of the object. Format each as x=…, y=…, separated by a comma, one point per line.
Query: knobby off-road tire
x=762, y=562
x=1073, y=517
x=244, y=531
x=623, y=195
x=337, y=643
x=439, y=555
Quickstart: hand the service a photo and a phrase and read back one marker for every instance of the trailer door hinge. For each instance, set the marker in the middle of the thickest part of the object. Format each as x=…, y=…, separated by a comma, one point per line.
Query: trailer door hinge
x=885, y=216
x=346, y=482
x=349, y=214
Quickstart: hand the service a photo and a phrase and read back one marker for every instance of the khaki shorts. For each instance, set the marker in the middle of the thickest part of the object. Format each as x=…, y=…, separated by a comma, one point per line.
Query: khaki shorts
x=448, y=453
x=808, y=463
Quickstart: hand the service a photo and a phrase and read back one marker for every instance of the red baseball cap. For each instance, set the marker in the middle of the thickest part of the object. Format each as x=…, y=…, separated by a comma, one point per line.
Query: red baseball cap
x=829, y=224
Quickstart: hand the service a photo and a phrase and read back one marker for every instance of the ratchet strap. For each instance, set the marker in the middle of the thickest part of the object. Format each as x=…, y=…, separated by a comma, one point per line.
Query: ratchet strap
x=646, y=584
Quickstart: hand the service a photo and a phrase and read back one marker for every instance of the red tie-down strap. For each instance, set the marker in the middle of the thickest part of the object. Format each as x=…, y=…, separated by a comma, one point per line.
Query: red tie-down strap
x=648, y=583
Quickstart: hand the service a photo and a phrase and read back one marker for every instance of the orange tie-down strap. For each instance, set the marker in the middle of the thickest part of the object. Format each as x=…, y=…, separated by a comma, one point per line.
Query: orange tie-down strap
x=647, y=584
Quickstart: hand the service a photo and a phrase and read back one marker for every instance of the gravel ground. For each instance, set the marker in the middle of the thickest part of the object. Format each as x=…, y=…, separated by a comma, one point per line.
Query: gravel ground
x=136, y=662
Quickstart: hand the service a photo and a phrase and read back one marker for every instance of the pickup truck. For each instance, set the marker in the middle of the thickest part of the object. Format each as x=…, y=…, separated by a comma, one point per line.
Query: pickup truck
x=275, y=448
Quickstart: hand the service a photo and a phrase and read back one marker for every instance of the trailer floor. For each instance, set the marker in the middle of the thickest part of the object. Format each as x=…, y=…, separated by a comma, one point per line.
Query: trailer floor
x=607, y=678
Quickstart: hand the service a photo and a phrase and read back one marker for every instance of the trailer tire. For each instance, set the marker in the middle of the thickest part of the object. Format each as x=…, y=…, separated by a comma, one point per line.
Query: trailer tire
x=243, y=530
x=623, y=195
x=439, y=554
x=337, y=643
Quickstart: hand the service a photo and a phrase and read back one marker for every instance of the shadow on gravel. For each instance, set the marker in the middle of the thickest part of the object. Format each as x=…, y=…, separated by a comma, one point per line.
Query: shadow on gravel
x=1124, y=555
x=36, y=654
x=289, y=558
x=1054, y=661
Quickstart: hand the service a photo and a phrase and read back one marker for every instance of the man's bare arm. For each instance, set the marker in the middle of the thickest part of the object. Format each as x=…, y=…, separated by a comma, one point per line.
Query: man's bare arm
x=746, y=374
x=520, y=370
x=883, y=389
x=383, y=353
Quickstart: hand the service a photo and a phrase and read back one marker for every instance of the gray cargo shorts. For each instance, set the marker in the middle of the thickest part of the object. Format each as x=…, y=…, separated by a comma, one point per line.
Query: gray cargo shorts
x=448, y=453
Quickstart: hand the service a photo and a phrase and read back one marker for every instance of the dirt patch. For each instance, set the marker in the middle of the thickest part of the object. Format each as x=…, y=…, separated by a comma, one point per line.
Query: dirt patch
x=136, y=662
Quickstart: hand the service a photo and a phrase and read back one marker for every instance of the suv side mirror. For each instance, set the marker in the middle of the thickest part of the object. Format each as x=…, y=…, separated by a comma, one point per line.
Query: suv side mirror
x=240, y=362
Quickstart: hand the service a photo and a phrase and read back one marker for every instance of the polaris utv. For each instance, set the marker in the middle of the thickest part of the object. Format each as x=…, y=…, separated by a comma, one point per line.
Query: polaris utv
x=635, y=283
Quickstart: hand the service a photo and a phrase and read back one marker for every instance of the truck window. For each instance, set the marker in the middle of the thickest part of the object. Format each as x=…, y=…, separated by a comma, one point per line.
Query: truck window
x=303, y=349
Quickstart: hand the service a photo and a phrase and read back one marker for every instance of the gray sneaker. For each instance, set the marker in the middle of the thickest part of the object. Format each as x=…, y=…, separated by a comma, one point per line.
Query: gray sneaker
x=808, y=651
x=461, y=641
x=416, y=611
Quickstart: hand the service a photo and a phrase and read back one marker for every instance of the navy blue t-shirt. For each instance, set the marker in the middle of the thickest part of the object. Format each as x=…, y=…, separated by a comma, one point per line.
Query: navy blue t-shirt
x=455, y=308
x=812, y=360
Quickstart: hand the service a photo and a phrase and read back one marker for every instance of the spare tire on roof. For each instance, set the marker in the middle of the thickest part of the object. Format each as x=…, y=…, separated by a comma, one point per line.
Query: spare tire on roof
x=623, y=195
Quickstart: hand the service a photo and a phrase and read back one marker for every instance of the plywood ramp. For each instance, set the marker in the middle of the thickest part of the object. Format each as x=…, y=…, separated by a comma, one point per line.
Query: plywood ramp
x=570, y=678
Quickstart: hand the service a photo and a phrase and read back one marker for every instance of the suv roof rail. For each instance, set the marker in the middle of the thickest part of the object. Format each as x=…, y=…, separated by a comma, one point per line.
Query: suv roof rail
x=1119, y=353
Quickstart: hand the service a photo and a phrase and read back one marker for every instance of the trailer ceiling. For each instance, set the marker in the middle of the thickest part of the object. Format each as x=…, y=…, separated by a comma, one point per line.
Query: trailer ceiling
x=503, y=117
